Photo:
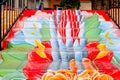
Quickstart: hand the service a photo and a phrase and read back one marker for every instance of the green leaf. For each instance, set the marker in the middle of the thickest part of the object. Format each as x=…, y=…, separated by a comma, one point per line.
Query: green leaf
x=92, y=25
x=0, y=78
x=6, y=57
x=24, y=45
x=116, y=61
x=10, y=45
x=14, y=76
x=18, y=52
x=92, y=18
x=14, y=58
x=92, y=31
x=45, y=32
x=93, y=35
x=9, y=63
x=9, y=66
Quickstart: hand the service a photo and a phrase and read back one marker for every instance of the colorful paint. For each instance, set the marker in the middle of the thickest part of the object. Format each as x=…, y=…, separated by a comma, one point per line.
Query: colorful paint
x=61, y=45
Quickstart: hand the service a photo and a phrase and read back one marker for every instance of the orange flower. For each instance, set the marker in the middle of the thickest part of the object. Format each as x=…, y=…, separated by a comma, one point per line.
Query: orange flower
x=90, y=73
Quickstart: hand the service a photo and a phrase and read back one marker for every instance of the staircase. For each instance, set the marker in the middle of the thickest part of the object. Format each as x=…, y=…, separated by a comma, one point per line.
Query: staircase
x=19, y=59
x=50, y=39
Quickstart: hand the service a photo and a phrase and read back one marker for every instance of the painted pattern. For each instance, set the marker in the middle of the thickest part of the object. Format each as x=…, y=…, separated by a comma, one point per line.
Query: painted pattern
x=61, y=45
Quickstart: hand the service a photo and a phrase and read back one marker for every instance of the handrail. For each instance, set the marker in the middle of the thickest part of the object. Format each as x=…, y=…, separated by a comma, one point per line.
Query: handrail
x=9, y=13
x=112, y=7
x=114, y=11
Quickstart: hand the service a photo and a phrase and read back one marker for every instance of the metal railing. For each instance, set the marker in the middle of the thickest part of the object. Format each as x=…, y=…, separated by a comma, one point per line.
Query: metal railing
x=10, y=10
x=114, y=11
x=112, y=7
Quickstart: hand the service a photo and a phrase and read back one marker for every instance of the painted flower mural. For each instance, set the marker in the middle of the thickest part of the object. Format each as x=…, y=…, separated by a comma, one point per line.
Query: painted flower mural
x=62, y=45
